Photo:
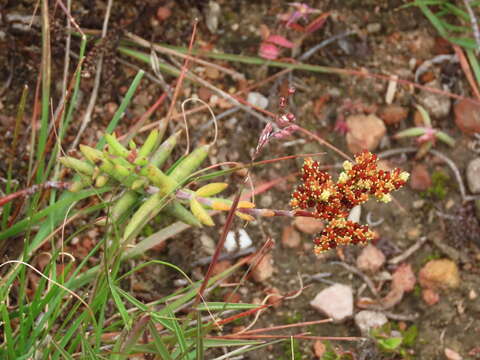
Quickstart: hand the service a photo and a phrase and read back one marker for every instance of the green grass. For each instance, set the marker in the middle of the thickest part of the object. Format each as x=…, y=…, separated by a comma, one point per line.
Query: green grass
x=441, y=13
x=43, y=320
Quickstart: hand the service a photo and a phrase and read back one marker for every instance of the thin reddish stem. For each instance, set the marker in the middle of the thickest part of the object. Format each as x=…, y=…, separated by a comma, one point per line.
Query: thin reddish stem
x=182, y=74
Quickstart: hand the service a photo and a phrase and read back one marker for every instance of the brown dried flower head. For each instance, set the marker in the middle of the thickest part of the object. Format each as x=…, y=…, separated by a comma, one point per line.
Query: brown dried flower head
x=332, y=201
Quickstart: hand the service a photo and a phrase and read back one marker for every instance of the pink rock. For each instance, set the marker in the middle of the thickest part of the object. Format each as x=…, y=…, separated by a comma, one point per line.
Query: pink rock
x=221, y=266
x=290, y=237
x=163, y=13
x=365, y=132
x=275, y=298
x=430, y=296
x=336, y=302
x=467, y=116
x=420, y=178
x=404, y=278
x=308, y=225
x=370, y=259
x=393, y=114
x=319, y=349
x=452, y=354
x=263, y=269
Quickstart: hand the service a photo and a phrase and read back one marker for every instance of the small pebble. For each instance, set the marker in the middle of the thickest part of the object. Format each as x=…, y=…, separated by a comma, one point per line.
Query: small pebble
x=452, y=355
x=439, y=274
x=230, y=242
x=393, y=114
x=473, y=175
x=308, y=225
x=336, y=302
x=467, y=116
x=290, y=237
x=367, y=320
x=263, y=269
x=472, y=294
x=257, y=99
x=266, y=201
x=244, y=240
x=418, y=204
x=319, y=349
x=371, y=259
x=212, y=15
x=420, y=178
x=438, y=106
x=374, y=28
x=208, y=245
x=365, y=132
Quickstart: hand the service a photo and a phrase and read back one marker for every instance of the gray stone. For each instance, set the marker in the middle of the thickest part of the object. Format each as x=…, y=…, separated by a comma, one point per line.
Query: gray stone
x=367, y=320
x=208, y=245
x=213, y=13
x=257, y=99
x=473, y=175
x=336, y=302
x=437, y=105
x=374, y=28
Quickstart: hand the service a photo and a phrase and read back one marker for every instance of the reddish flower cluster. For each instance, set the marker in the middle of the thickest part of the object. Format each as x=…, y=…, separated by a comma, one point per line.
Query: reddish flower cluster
x=333, y=201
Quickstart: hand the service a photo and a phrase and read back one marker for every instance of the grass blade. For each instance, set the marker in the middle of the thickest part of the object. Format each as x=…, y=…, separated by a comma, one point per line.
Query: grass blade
x=121, y=109
x=18, y=121
x=159, y=345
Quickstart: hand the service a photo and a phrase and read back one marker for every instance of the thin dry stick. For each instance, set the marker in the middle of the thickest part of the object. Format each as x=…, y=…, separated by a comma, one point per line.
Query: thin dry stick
x=201, y=108
x=298, y=336
x=164, y=50
x=226, y=96
x=72, y=20
x=356, y=271
x=281, y=327
x=186, y=123
x=96, y=85
x=467, y=70
x=67, y=49
x=408, y=252
x=325, y=143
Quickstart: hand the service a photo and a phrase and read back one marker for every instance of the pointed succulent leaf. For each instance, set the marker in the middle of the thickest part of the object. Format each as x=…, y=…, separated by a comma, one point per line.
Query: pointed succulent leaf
x=414, y=131
x=425, y=116
x=92, y=154
x=101, y=180
x=149, y=144
x=132, y=145
x=189, y=164
x=80, y=166
x=160, y=179
x=244, y=216
x=164, y=151
x=211, y=189
x=179, y=212
x=200, y=213
x=114, y=146
x=447, y=139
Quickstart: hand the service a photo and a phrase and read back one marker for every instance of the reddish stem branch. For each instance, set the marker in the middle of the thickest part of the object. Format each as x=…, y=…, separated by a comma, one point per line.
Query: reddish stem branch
x=32, y=190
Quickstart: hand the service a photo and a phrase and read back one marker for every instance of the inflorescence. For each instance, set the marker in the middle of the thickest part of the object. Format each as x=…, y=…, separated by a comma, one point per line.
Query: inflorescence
x=332, y=201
